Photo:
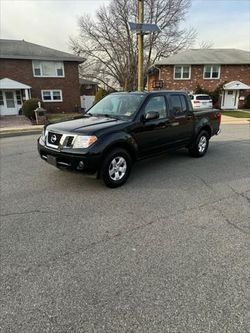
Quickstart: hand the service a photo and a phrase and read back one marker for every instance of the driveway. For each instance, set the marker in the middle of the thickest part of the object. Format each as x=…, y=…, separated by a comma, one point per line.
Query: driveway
x=168, y=252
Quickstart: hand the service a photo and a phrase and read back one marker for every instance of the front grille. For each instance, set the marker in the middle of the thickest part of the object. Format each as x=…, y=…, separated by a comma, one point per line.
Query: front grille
x=69, y=141
x=54, y=138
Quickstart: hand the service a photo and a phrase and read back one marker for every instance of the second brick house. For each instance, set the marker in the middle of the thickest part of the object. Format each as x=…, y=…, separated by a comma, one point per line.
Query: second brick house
x=208, y=69
x=30, y=70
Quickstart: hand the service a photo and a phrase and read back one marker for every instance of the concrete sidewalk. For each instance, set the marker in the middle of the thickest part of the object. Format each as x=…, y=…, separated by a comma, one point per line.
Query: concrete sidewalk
x=232, y=120
x=17, y=125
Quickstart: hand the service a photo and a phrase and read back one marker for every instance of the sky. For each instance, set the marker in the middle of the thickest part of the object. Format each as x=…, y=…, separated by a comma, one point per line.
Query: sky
x=225, y=23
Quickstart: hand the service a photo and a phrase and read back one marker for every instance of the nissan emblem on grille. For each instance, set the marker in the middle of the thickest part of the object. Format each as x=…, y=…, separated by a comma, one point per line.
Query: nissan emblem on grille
x=53, y=138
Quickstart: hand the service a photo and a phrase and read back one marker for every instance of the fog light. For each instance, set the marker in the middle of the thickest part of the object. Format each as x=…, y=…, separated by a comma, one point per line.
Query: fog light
x=80, y=165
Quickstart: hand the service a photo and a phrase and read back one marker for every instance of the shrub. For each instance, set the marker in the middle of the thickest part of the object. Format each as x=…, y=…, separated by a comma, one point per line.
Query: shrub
x=200, y=90
x=29, y=106
x=247, y=102
x=100, y=94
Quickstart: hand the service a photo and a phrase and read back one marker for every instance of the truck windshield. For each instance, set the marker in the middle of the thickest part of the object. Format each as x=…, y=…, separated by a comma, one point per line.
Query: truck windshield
x=117, y=105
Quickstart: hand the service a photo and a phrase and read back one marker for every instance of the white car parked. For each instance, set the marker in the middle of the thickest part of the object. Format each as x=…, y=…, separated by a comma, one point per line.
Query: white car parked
x=201, y=101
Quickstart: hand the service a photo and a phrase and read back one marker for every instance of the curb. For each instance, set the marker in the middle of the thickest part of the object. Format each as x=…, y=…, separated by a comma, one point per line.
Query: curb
x=8, y=134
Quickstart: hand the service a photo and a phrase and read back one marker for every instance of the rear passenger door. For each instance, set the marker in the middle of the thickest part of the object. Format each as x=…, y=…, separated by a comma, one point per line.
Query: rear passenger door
x=182, y=118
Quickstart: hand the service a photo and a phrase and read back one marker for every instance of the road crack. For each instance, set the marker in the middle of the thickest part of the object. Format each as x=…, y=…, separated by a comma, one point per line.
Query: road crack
x=36, y=211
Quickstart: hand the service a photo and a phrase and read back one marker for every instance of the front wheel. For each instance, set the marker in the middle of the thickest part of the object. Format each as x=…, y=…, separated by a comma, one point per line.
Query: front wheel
x=200, y=145
x=116, y=168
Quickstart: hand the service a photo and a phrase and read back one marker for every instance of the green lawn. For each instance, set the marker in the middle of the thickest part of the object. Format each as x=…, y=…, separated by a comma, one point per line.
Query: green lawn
x=236, y=114
x=56, y=117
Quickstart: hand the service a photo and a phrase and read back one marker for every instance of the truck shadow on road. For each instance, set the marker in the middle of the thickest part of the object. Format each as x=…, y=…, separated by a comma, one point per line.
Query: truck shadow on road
x=160, y=170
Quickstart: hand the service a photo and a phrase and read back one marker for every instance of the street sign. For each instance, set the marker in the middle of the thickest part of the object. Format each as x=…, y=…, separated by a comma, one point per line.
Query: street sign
x=144, y=27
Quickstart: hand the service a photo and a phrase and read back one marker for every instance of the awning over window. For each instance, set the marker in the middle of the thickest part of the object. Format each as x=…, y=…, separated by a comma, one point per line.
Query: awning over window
x=236, y=85
x=11, y=84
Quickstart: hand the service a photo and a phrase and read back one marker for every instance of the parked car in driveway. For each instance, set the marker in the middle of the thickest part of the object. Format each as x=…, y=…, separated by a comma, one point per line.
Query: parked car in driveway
x=125, y=127
x=201, y=101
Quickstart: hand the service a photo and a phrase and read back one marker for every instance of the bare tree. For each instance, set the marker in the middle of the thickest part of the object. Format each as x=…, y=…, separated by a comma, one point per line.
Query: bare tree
x=206, y=44
x=111, y=48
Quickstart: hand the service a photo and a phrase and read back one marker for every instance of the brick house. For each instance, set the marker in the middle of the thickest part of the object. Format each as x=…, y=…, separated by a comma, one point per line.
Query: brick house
x=208, y=69
x=30, y=70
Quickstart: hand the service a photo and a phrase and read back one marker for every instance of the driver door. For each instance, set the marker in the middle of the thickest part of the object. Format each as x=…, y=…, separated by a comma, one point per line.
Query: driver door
x=152, y=135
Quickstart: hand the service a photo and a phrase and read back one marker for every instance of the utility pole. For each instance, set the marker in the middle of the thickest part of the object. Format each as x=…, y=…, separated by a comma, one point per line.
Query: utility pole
x=140, y=28
x=140, y=46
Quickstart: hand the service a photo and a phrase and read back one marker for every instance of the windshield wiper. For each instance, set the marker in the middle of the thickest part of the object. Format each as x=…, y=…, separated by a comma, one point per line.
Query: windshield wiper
x=107, y=115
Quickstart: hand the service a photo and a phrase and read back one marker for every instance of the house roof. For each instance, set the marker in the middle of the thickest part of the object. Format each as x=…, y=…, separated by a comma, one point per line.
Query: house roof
x=20, y=49
x=207, y=56
x=89, y=82
x=236, y=85
x=12, y=84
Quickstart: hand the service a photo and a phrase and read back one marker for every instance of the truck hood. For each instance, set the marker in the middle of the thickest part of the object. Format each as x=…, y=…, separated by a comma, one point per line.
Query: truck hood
x=85, y=125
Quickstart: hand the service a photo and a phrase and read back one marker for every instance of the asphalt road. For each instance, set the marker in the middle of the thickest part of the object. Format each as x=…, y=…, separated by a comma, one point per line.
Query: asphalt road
x=167, y=252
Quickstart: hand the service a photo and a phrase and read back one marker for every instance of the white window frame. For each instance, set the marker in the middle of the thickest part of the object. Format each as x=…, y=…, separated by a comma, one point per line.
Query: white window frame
x=40, y=67
x=51, y=95
x=211, y=72
x=181, y=78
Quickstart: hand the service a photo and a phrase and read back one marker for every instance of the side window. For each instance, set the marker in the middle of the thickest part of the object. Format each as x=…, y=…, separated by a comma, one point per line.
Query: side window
x=183, y=104
x=157, y=104
x=179, y=104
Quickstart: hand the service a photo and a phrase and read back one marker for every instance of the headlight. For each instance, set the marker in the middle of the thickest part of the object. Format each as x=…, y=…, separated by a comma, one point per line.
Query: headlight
x=42, y=138
x=84, y=141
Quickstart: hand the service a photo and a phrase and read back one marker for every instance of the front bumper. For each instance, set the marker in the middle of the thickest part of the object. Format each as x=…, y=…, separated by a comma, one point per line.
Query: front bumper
x=86, y=162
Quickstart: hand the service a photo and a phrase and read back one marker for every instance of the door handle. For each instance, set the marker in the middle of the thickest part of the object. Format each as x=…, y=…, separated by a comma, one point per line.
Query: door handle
x=175, y=123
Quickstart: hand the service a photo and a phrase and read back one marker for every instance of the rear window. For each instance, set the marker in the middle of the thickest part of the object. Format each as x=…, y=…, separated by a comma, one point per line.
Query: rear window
x=203, y=98
x=178, y=104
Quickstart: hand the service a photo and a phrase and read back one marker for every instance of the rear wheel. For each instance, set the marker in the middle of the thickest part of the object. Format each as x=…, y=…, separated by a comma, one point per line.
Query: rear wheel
x=116, y=168
x=200, y=145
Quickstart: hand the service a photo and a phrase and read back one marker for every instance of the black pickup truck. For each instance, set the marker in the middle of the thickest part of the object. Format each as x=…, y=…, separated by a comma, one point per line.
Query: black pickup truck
x=125, y=127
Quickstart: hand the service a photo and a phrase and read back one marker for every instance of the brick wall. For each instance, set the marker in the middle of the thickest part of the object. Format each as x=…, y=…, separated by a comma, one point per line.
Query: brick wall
x=21, y=70
x=228, y=73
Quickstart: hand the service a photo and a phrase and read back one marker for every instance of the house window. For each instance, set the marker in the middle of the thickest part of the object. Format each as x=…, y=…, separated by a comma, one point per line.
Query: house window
x=10, y=100
x=211, y=72
x=182, y=72
x=48, y=68
x=52, y=96
x=1, y=98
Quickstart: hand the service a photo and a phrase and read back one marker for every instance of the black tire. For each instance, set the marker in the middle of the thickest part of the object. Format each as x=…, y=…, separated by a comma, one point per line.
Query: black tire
x=110, y=168
x=200, y=145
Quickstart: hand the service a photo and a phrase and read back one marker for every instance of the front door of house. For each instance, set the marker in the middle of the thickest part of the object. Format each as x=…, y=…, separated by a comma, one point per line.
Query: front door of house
x=230, y=99
x=8, y=103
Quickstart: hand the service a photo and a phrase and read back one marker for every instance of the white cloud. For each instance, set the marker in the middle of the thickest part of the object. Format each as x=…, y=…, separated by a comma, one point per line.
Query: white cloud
x=225, y=23
x=49, y=23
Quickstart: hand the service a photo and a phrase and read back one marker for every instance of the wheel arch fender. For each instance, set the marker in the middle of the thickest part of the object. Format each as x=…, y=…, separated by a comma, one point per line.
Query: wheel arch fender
x=205, y=125
x=119, y=140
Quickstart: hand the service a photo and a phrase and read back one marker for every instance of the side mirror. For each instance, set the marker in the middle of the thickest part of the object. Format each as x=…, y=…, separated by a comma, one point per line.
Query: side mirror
x=151, y=115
